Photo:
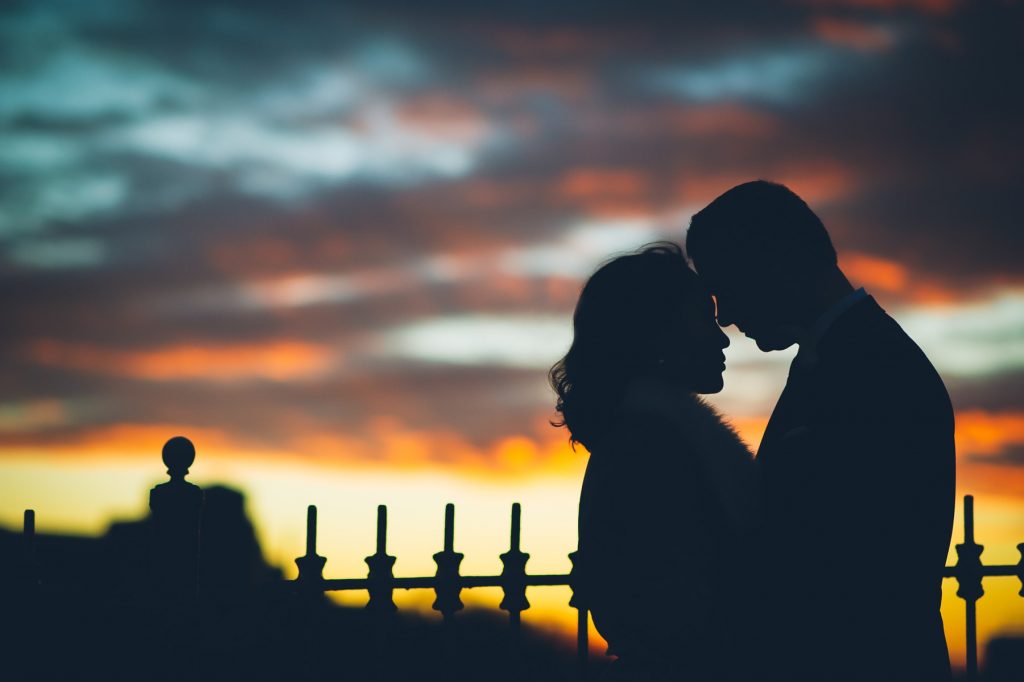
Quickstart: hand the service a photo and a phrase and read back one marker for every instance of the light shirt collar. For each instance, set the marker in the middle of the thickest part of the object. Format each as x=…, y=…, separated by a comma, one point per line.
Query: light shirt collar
x=808, y=354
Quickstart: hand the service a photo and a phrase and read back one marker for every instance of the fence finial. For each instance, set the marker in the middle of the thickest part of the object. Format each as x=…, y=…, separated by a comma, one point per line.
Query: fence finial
x=447, y=580
x=1020, y=568
x=969, y=567
x=178, y=455
x=513, y=572
x=380, y=580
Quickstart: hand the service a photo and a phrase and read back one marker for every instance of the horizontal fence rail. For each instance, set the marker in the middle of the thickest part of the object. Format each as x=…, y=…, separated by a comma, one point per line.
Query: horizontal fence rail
x=177, y=504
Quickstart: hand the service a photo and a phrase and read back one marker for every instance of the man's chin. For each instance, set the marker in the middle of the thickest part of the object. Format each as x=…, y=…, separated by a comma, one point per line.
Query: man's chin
x=769, y=344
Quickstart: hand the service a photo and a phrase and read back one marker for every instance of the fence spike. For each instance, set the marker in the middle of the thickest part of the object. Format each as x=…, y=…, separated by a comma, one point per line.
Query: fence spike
x=311, y=565
x=382, y=529
x=516, y=513
x=449, y=527
x=311, y=530
x=968, y=519
x=28, y=532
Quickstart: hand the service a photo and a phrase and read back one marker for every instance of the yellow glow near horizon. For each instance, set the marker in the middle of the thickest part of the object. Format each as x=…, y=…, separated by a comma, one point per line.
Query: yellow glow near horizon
x=82, y=495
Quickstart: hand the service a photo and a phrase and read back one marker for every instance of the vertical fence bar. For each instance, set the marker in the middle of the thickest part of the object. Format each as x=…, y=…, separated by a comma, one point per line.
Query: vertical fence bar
x=513, y=583
x=311, y=565
x=972, y=605
x=582, y=642
x=28, y=533
x=969, y=573
x=582, y=618
x=310, y=599
x=449, y=527
x=447, y=586
x=310, y=530
x=380, y=583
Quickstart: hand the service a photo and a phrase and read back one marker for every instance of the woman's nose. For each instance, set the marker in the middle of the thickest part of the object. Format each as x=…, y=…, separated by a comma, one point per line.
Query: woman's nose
x=722, y=314
x=723, y=341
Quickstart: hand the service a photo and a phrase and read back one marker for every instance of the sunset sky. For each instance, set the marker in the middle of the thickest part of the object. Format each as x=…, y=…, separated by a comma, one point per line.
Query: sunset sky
x=338, y=244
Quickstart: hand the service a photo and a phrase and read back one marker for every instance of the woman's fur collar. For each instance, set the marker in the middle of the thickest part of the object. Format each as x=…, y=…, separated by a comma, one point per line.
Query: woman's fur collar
x=726, y=460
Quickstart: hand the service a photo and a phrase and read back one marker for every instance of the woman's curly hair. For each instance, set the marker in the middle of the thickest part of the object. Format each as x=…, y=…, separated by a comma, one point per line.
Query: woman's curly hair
x=620, y=329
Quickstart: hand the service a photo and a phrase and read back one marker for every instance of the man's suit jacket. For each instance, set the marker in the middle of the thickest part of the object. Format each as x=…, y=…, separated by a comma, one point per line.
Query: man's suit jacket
x=858, y=465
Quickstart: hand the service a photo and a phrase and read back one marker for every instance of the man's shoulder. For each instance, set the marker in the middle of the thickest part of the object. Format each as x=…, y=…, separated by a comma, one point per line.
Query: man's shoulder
x=868, y=352
x=868, y=337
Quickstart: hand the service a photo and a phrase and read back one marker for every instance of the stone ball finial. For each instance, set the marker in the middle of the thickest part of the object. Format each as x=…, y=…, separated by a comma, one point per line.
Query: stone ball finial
x=178, y=455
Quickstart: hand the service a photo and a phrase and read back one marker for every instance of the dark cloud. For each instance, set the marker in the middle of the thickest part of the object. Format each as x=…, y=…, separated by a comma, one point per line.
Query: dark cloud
x=990, y=393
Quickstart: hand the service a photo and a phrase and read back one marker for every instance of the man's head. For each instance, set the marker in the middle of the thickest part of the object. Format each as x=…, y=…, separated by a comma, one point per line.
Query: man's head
x=762, y=252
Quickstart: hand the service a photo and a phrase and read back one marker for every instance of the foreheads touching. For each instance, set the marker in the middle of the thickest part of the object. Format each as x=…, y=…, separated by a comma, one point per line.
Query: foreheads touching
x=759, y=248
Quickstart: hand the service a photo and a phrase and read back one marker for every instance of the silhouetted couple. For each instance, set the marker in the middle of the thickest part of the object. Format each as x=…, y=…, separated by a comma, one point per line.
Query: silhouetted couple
x=822, y=558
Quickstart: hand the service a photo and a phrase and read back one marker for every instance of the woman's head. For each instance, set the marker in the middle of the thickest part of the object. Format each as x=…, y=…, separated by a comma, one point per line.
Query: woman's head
x=643, y=315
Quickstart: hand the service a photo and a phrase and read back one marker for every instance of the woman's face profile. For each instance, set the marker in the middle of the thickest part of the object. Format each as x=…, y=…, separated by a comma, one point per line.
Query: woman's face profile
x=693, y=350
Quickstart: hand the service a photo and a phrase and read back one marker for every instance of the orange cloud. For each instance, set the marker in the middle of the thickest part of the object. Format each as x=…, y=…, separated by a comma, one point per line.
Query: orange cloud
x=874, y=272
x=494, y=193
x=881, y=274
x=280, y=360
x=588, y=183
x=444, y=116
x=723, y=119
x=988, y=433
x=816, y=181
x=512, y=85
x=981, y=437
x=124, y=439
x=855, y=34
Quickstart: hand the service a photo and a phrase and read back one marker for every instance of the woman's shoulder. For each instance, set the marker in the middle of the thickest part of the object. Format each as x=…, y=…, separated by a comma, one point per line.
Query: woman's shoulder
x=675, y=412
x=633, y=439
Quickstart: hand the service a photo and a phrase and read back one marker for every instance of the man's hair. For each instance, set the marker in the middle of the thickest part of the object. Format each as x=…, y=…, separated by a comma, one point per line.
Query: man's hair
x=762, y=220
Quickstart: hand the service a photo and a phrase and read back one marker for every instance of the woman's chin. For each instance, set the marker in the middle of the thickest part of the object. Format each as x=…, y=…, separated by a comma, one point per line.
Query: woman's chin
x=710, y=385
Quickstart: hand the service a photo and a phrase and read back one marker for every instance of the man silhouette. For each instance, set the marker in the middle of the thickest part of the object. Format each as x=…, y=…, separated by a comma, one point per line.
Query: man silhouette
x=857, y=461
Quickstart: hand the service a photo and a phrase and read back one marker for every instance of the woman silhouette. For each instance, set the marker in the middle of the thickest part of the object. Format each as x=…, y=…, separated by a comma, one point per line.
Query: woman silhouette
x=668, y=497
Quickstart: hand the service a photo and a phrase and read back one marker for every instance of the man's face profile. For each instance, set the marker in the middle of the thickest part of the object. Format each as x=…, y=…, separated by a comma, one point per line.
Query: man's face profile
x=750, y=300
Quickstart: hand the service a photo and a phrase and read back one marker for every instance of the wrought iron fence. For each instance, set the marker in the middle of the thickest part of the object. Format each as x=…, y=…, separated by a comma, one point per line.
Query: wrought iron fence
x=176, y=506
